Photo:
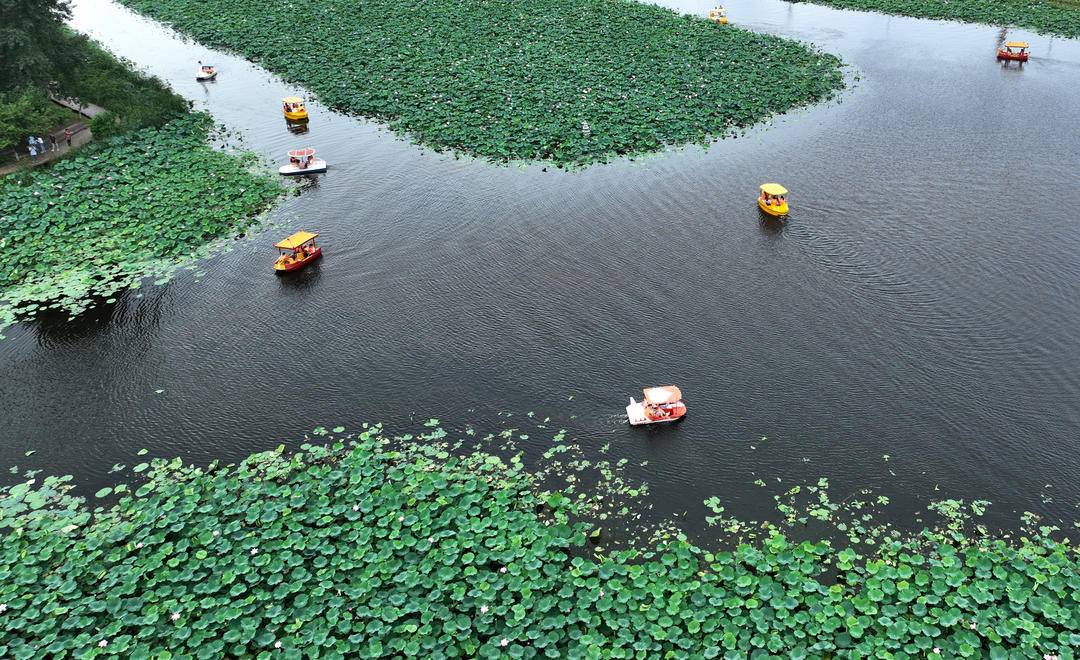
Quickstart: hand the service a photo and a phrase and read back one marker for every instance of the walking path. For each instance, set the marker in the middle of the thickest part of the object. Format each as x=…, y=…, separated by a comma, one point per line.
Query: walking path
x=81, y=136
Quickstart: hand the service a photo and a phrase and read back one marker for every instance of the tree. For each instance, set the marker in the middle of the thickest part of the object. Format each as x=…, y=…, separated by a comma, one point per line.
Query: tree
x=34, y=46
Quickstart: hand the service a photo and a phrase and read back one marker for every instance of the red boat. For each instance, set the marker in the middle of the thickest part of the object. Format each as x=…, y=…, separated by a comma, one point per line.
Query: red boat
x=297, y=251
x=1015, y=51
x=661, y=404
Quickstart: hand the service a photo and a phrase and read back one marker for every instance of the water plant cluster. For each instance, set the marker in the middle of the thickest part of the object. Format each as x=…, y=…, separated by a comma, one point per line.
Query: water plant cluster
x=140, y=204
x=1061, y=17
x=370, y=547
x=569, y=81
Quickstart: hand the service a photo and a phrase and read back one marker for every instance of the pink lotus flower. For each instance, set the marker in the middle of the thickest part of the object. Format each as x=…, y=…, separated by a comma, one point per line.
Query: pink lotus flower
x=937, y=650
x=175, y=616
x=3, y=607
x=502, y=570
x=483, y=609
x=504, y=642
x=216, y=533
x=356, y=507
x=254, y=551
x=103, y=643
x=601, y=593
x=974, y=626
x=1050, y=656
x=277, y=645
x=401, y=519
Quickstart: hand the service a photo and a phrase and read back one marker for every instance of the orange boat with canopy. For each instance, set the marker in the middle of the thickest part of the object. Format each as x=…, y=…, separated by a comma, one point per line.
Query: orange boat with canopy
x=297, y=251
x=1014, y=50
x=660, y=404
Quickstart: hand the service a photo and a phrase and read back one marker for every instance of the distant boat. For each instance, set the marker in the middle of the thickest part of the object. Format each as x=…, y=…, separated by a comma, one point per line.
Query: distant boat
x=205, y=72
x=660, y=405
x=303, y=161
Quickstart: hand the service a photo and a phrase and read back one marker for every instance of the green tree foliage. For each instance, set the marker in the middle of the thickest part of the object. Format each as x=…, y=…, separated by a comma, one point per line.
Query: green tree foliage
x=33, y=45
x=27, y=111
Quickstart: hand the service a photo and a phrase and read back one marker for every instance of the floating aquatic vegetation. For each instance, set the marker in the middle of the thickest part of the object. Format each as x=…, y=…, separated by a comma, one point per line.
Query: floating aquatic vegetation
x=1045, y=16
x=372, y=546
x=137, y=206
x=569, y=81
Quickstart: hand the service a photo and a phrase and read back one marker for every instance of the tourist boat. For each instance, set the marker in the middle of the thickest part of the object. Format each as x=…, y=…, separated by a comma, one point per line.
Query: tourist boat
x=1014, y=50
x=296, y=252
x=205, y=72
x=293, y=107
x=303, y=161
x=718, y=15
x=661, y=404
x=773, y=199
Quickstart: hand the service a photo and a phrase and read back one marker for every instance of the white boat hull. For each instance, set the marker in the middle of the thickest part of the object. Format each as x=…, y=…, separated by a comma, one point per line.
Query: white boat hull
x=635, y=414
x=317, y=166
x=205, y=76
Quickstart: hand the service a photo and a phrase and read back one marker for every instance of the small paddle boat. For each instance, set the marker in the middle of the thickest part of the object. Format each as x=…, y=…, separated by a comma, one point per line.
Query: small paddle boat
x=660, y=405
x=718, y=15
x=296, y=252
x=303, y=161
x=773, y=200
x=293, y=107
x=205, y=72
x=1014, y=50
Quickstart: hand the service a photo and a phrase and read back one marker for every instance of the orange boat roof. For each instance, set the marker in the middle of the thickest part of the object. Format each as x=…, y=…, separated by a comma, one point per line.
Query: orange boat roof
x=295, y=241
x=662, y=394
x=302, y=153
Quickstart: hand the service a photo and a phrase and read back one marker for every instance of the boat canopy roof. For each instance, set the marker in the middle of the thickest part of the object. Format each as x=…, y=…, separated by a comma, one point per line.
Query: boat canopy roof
x=773, y=189
x=302, y=153
x=1017, y=44
x=295, y=241
x=292, y=99
x=662, y=394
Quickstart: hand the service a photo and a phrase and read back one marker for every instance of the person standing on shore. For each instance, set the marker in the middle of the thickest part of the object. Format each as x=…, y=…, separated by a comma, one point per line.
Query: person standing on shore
x=53, y=146
x=40, y=145
x=67, y=135
x=33, y=151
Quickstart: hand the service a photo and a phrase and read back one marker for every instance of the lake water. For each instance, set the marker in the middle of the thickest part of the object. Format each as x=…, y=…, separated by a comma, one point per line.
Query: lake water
x=921, y=303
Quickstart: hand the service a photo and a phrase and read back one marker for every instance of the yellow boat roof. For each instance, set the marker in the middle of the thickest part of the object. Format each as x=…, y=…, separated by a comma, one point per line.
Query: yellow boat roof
x=773, y=189
x=1017, y=44
x=292, y=99
x=295, y=241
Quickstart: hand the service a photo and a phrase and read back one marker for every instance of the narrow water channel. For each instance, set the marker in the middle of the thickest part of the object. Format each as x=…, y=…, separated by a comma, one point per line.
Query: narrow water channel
x=914, y=328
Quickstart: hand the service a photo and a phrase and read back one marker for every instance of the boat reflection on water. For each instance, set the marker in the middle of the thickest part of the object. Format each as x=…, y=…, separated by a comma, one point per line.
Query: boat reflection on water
x=297, y=127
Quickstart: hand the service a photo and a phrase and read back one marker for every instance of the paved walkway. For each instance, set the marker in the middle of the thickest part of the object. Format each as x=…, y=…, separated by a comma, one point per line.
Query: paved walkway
x=81, y=136
x=88, y=110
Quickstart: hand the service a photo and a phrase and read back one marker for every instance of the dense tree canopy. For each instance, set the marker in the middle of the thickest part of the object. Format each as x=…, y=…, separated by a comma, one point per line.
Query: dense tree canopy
x=33, y=47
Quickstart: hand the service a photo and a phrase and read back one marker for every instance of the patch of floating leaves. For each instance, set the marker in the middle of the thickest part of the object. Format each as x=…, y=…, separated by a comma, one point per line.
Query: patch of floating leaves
x=138, y=205
x=1044, y=16
x=516, y=80
x=370, y=547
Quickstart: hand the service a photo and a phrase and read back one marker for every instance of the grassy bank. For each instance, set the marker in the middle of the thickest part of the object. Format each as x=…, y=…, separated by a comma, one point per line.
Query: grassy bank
x=371, y=548
x=139, y=204
x=508, y=79
x=1060, y=17
x=92, y=75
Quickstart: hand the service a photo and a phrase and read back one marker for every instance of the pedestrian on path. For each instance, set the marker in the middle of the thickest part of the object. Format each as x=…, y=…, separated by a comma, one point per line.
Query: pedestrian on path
x=67, y=135
x=53, y=146
x=40, y=145
x=33, y=152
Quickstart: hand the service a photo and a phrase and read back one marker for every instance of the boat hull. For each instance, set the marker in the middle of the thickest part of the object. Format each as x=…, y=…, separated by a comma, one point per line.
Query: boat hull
x=318, y=166
x=775, y=211
x=297, y=116
x=635, y=414
x=1015, y=57
x=203, y=78
x=281, y=269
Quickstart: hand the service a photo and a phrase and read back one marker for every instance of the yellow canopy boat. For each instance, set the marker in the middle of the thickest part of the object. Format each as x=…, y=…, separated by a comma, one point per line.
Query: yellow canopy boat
x=293, y=107
x=773, y=199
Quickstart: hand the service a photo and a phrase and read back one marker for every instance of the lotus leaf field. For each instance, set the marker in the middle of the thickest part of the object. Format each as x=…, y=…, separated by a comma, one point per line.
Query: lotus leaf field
x=369, y=547
x=1060, y=17
x=569, y=81
x=140, y=204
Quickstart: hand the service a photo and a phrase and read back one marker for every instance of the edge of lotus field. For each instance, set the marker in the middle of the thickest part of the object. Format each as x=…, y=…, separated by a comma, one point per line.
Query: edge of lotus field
x=568, y=83
x=1042, y=16
x=141, y=205
x=365, y=545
